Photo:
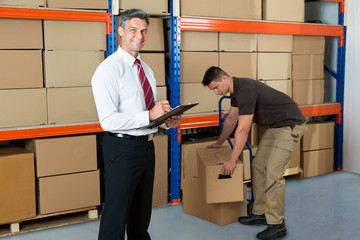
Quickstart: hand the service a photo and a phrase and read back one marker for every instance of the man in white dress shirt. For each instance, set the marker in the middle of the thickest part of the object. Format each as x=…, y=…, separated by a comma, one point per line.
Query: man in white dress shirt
x=124, y=107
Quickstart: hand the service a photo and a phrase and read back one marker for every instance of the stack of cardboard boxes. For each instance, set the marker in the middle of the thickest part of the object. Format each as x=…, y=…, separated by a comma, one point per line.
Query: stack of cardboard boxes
x=66, y=173
x=155, y=7
x=317, y=149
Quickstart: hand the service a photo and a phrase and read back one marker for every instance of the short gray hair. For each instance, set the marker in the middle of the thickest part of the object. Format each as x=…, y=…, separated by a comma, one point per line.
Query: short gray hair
x=133, y=13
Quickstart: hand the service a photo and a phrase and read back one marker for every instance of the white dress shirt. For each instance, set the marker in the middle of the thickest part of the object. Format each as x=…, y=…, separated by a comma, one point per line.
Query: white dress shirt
x=119, y=97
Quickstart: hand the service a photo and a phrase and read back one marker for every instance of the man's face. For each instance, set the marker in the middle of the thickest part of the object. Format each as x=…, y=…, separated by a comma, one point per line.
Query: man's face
x=134, y=36
x=219, y=88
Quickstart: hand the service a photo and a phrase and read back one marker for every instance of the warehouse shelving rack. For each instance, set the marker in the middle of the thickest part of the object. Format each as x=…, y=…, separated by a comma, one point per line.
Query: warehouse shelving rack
x=178, y=24
x=49, y=130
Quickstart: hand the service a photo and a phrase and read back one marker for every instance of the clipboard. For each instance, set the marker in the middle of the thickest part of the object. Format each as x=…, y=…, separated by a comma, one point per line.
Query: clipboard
x=174, y=112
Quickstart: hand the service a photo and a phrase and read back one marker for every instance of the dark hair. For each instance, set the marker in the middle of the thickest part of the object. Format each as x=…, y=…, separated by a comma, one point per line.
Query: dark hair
x=213, y=74
x=133, y=13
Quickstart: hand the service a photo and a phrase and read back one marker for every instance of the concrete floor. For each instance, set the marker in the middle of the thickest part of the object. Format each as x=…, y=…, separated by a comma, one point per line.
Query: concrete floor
x=323, y=207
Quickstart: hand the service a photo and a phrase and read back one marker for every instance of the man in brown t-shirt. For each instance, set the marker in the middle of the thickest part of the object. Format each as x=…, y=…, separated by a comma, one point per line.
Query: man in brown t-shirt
x=253, y=101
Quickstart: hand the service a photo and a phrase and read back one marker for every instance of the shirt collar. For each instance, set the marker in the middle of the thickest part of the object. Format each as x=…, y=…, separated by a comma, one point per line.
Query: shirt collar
x=129, y=59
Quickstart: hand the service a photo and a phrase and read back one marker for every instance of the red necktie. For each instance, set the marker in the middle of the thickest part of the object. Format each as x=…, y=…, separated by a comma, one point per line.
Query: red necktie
x=148, y=94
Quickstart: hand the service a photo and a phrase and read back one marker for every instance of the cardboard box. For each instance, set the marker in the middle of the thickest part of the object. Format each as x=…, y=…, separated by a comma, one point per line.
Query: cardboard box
x=17, y=184
x=68, y=192
x=23, y=3
x=189, y=167
x=194, y=203
x=308, y=91
x=318, y=136
x=216, y=188
x=274, y=43
x=199, y=41
x=160, y=193
x=317, y=162
x=74, y=35
x=70, y=68
x=161, y=93
x=151, y=7
x=193, y=65
x=242, y=9
x=63, y=155
x=28, y=76
x=20, y=33
x=23, y=107
x=82, y=4
x=197, y=93
x=156, y=62
x=284, y=10
x=196, y=8
x=274, y=66
x=245, y=158
x=309, y=44
x=284, y=86
x=237, y=42
x=61, y=107
x=239, y=64
x=307, y=66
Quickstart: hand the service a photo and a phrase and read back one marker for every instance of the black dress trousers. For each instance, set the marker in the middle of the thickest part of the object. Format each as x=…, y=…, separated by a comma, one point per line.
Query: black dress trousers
x=129, y=178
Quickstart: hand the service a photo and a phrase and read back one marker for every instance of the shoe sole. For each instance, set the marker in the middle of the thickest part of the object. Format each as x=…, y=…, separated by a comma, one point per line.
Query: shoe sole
x=276, y=236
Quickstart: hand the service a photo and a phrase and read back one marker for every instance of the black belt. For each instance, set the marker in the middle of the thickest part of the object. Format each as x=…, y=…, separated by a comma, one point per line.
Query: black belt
x=127, y=136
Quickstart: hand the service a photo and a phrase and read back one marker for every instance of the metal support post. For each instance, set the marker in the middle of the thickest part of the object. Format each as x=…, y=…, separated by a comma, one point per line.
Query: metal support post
x=111, y=38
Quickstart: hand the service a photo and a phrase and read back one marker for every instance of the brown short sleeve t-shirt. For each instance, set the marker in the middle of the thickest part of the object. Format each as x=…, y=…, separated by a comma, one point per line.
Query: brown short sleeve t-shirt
x=270, y=107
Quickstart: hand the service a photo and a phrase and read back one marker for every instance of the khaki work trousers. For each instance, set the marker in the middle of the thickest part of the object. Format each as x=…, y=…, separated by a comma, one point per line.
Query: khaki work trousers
x=268, y=167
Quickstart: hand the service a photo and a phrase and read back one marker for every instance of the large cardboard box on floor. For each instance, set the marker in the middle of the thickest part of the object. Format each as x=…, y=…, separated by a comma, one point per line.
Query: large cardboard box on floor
x=194, y=203
x=307, y=66
x=30, y=75
x=239, y=64
x=317, y=162
x=199, y=41
x=241, y=9
x=63, y=155
x=68, y=192
x=318, y=135
x=81, y=4
x=156, y=62
x=274, y=66
x=70, y=68
x=74, y=35
x=308, y=91
x=151, y=7
x=160, y=193
x=17, y=184
x=237, y=42
x=21, y=33
x=23, y=3
x=217, y=187
x=23, y=107
x=284, y=10
x=193, y=65
x=284, y=86
x=197, y=93
x=196, y=8
x=309, y=44
x=69, y=105
x=274, y=43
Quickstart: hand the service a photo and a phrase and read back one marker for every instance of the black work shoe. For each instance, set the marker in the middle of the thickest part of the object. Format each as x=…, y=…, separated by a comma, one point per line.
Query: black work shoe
x=253, y=219
x=272, y=232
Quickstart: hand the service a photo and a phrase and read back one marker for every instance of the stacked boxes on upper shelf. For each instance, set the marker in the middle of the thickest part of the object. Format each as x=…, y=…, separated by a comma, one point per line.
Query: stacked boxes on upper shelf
x=73, y=50
x=22, y=94
x=308, y=69
x=62, y=4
